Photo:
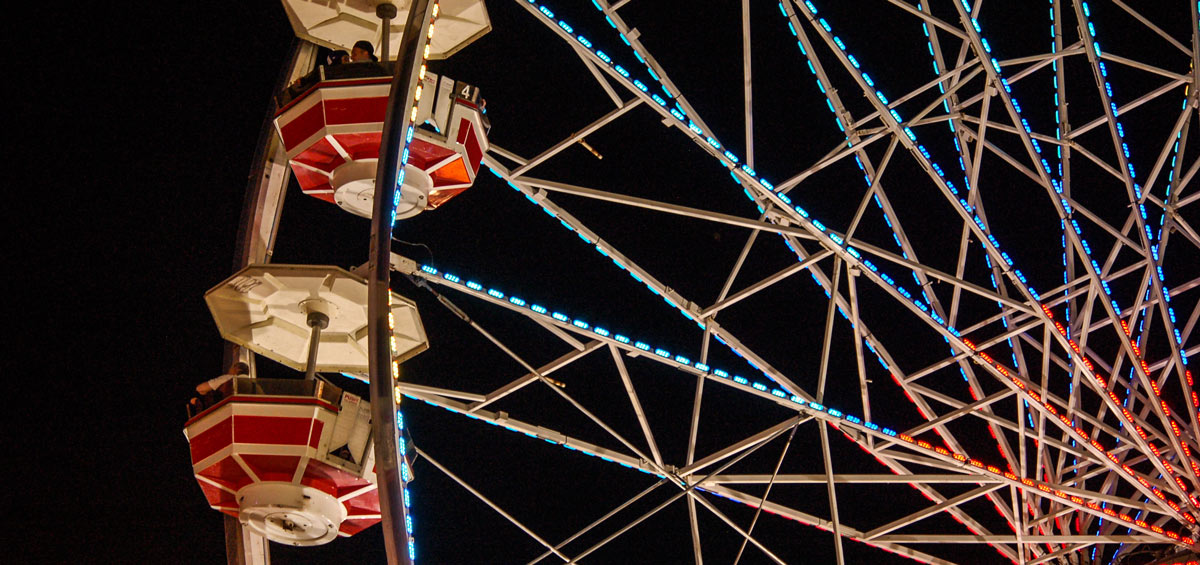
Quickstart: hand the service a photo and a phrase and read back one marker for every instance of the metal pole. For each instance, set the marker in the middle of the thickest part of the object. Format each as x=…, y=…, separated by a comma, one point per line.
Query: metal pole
x=317, y=321
x=747, y=85
x=383, y=400
x=385, y=12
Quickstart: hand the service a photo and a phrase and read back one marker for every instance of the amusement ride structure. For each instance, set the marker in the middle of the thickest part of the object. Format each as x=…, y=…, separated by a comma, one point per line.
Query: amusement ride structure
x=917, y=281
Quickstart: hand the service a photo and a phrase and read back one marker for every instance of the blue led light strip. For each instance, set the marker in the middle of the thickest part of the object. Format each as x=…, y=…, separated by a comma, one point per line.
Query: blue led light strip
x=680, y=362
x=1061, y=203
x=977, y=221
x=909, y=139
x=694, y=130
x=412, y=124
x=826, y=414
x=1059, y=117
x=840, y=114
x=943, y=183
x=1100, y=72
x=686, y=308
x=974, y=387
x=757, y=184
x=894, y=120
x=677, y=115
x=679, y=109
x=1158, y=283
x=960, y=147
x=833, y=102
x=592, y=331
x=405, y=471
x=1118, y=131
x=1034, y=147
x=1060, y=112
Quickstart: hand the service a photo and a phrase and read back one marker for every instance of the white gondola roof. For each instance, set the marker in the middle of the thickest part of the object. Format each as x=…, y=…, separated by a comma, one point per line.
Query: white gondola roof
x=338, y=24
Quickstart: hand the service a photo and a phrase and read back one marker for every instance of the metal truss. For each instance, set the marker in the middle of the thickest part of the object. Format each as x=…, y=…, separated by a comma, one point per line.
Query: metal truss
x=1048, y=425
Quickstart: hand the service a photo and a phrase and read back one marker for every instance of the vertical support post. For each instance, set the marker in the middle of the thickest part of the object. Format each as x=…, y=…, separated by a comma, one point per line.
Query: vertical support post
x=234, y=552
x=747, y=85
x=310, y=368
x=243, y=546
x=831, y=491
x=269, y=174
x=255, y=242
x=384, y=405
x=317, y=321
x=385, y=12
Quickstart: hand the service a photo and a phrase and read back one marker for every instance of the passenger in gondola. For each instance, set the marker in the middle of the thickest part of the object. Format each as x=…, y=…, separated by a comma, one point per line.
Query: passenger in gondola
x=210, y=390
x=337, y=58
x=362, y=52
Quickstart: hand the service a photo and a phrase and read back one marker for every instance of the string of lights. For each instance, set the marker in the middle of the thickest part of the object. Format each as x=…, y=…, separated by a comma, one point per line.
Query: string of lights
x=822, y=412
x=991, y=246
x=402, y=445
x=729, y=159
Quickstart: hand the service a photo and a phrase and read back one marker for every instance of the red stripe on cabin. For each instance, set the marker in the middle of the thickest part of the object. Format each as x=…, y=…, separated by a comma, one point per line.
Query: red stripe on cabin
x=274, y=430
x=315, y=436
x=351, y=527
x=272, y=467
x=228, y=473
x=211, y=440
x=331, y=479
x=355, y=110
x=217, y=496
x=466, y=136
x=248, y=399
x=302, y=127
x=359, y=145
x=423, y=154
x=320, y=155
x=365, y=503
x=332, y=84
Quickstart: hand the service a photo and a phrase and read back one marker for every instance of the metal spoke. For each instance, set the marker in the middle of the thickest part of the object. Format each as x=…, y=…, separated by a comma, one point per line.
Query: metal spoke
x=919, y=227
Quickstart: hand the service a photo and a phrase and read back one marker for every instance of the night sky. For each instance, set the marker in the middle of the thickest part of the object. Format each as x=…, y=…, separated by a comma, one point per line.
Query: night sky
x=130, y=190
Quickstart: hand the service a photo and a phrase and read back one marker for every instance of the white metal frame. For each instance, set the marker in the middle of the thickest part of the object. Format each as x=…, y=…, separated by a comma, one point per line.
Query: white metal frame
x=1129, y=456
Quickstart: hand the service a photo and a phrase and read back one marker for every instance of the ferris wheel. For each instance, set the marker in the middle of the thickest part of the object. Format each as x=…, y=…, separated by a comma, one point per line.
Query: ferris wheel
x=785, y=282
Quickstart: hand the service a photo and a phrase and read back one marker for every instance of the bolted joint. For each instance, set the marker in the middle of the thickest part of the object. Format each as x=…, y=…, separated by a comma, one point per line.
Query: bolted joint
x=318, y=320
x=385, y=11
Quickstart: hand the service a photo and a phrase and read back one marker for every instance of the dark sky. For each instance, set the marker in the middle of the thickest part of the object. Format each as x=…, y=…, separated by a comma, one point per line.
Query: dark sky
x=134, y=139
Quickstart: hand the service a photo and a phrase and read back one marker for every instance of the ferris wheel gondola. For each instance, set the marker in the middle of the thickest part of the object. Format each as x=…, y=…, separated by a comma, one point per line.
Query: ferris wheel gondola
x=295, y=461
x=331, y=122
